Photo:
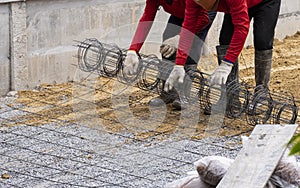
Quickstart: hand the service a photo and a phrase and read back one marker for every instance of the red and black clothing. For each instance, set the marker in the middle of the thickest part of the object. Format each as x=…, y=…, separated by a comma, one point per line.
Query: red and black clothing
x=265, y=16
x=196, y=18
x=177, y=10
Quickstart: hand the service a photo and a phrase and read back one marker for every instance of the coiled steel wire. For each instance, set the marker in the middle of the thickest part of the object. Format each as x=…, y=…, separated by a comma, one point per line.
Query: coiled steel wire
x=261, y=107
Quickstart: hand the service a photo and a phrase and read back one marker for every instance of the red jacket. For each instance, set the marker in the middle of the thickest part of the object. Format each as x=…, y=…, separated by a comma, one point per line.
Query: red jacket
x=176, y=9
x=239, y=13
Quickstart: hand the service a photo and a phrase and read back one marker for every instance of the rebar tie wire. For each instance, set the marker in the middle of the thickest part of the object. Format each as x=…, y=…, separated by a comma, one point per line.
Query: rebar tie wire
x=258, y=108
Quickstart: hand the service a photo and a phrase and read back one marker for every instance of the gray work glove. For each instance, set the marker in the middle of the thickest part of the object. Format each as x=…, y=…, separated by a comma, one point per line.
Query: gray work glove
x=220, y=75
x=169, y=46
x=131, y=63
x=177, y=74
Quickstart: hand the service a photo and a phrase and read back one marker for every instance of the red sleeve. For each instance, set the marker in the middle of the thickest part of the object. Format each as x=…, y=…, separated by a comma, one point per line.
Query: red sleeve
x=241, y=22
x=144, y=25
x=195, y=19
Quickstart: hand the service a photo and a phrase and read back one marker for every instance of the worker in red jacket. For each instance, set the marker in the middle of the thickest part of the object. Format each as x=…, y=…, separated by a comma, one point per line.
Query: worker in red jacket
x=234, y=32
x=168, y=49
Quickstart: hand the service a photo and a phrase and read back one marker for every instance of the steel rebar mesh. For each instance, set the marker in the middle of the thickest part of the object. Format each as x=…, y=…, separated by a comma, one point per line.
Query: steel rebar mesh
x=153, y=72
x=69, y=135
x=260, y=107
x=41, y=148
x=284, y=108
x=149, y=78
x=106, y=59
x=90, y=55
x=237, y=99
x=112, y=61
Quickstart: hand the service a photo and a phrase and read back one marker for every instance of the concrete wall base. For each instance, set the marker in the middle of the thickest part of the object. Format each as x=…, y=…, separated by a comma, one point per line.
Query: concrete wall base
x=38, y=36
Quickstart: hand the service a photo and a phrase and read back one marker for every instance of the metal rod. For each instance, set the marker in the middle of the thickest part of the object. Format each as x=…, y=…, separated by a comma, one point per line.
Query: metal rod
x=259, y=108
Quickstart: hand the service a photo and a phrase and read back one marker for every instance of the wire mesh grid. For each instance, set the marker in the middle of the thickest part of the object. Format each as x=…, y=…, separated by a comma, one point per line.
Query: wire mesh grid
x=79, y=134
x=264, y=107
x=41, y=146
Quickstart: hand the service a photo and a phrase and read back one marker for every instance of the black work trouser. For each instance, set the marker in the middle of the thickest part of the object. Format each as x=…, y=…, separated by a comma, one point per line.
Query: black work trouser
x=265, y=16
x=173, y=28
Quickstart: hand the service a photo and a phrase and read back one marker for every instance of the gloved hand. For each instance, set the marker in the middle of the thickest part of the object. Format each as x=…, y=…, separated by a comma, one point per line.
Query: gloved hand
x=131, y=63
x=220, y=75
x=169, y=46
x=177, y=74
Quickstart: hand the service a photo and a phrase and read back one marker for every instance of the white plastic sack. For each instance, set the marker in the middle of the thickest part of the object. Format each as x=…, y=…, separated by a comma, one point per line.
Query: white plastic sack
x=192, y=181
x=288, y=169
x=212, y=169
x=278, y=182
x=270, y=185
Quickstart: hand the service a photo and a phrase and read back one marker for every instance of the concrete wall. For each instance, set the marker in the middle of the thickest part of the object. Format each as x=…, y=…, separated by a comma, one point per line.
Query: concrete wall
x=37, y=36
x=52, y=27
x=4, y=50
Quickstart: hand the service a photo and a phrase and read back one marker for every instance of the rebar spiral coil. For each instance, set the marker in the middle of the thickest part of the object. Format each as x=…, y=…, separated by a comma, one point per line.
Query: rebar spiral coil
x=90, y=55
x=237, y=99
x=259, y=108
x=106, y=59
x=284, y=108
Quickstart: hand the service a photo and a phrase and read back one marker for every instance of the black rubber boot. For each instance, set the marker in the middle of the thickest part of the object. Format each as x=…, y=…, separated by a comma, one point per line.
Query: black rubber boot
x=183, y=99
x=164, y=98
x=232, y=77
x=263, y=65
x=261, y=98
